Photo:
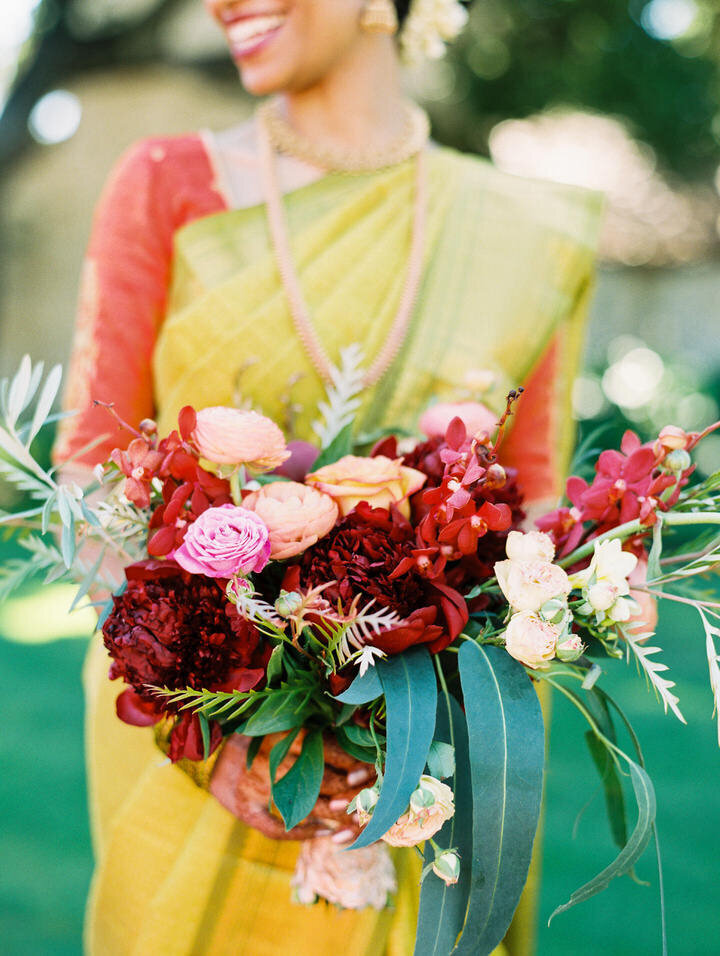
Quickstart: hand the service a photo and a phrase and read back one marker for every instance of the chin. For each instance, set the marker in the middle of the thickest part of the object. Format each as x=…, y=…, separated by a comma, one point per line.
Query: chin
x=264, y=80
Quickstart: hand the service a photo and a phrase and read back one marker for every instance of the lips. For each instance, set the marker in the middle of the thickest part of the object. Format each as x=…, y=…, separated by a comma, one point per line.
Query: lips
x=249, y=32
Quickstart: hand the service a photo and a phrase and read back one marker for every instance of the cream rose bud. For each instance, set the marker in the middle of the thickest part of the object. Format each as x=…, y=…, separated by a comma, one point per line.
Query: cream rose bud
x=531, y=640
x=447, y=867
x=528, y=585
x=602, y=596
x=529, y=546
x=570, y=649
x=417, y=825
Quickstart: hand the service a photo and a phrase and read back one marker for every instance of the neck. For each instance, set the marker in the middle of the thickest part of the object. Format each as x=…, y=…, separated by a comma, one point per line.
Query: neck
x=356, y=105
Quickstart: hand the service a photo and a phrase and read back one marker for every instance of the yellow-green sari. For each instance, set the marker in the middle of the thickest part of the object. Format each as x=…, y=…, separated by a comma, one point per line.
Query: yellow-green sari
x=507, y=270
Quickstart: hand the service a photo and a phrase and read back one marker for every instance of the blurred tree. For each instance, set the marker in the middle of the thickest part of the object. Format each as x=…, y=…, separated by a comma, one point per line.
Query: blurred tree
x=522, y=56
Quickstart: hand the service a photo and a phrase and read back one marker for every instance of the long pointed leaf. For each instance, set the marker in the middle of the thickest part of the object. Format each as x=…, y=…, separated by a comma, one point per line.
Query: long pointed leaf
x=363, y=689
x=45, y=402
x=410, y=690
x=633, y=849
x=296, y=793
x=507, y=756
x=442, y=908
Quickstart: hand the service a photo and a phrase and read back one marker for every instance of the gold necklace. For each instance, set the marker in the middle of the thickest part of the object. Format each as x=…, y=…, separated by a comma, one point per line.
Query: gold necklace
x=285, y=139
x=298, y=308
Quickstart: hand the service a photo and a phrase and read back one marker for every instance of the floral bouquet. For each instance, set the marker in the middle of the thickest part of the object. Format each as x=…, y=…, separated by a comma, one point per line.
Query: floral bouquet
x=388, y=606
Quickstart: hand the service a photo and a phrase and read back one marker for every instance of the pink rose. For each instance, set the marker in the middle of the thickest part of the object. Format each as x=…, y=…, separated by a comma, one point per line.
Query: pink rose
x=230, y=436
x=379, y=480
x=475, y=416
x=224, y=541
x=295, y=515
x=531, y=640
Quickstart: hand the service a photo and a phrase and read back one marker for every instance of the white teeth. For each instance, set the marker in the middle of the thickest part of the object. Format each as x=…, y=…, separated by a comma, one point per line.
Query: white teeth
x=251, y=28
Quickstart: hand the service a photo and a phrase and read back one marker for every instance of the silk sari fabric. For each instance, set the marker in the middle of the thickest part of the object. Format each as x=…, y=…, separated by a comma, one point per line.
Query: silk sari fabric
x=182, y=304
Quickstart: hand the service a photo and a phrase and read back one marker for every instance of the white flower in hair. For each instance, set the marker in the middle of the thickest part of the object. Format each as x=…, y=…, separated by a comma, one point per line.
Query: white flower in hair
x=429, y=26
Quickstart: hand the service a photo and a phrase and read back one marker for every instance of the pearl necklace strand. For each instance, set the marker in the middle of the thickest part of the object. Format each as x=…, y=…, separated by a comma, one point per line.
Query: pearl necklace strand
x=281, y=243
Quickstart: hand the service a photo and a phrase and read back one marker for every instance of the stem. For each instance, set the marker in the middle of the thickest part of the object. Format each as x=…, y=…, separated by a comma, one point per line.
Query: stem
x=676, y=597
x=630, y=528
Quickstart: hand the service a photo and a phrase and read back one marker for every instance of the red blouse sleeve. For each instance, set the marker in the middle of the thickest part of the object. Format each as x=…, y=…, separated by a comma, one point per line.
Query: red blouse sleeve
x=541, y=440
x=156, y=187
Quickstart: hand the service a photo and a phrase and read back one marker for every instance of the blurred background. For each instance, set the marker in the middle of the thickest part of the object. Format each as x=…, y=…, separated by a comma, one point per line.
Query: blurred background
x=621, y=96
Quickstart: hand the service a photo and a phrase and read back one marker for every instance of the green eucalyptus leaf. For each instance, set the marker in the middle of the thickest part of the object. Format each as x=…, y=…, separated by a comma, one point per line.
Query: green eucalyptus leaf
x=280, y=751
x=275, y=664
x=654, y=570
x=296, y=793
x=280, y=711
x=410, y=688
x=350, y=746
x=363, y=689
x=507, y=756
x=252, y=751
x=442, y=908
x=614, y=797
x=340, y=446
x=633, y=849
x=441, y=760
x=205, y=731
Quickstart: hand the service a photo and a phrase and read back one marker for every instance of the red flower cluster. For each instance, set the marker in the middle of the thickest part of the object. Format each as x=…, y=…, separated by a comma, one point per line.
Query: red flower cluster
x=633, y=483
x=187, y=488
x=366, y=554
x=172, y=629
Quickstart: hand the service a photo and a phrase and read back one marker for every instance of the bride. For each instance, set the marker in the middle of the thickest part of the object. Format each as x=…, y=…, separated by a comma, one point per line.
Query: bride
x=233, y=267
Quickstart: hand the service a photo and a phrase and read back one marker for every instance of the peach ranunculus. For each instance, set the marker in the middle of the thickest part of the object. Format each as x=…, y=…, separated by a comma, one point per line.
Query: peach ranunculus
x=531, y=640
x=430, y=806
x=528, y=585
x=475, y=416
x=232, y=436
x=296, y=516
x=380, y=481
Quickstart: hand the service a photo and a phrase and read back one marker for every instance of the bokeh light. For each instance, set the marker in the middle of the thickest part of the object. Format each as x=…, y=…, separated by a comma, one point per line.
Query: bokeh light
x=669, y=19
x=55, y=117
x=633, y=380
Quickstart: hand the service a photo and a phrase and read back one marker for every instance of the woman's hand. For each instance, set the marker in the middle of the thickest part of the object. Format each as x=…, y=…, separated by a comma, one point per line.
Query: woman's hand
x=246, y=793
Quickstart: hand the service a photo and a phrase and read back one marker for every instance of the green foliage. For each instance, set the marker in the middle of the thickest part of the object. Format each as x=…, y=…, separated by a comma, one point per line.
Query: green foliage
x=363, y=689
x=507, y=757
x=296, y=793
x=442, y=908
x=410, y=689
x=521, y=56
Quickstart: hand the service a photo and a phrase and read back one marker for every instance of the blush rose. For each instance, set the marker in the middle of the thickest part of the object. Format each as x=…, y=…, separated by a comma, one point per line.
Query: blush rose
x=232, y=436
x=225, y=541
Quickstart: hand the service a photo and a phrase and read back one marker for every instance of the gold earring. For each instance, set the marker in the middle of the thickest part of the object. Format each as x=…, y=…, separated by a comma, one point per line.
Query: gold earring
x=379, y=16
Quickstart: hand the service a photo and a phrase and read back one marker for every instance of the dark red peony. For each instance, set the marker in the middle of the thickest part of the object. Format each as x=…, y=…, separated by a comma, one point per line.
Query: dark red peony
x=361, y=556
x=173, y=629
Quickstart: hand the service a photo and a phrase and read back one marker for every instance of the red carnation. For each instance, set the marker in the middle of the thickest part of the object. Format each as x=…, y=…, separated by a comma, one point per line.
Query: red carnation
x=172, y=629
x=361, y=557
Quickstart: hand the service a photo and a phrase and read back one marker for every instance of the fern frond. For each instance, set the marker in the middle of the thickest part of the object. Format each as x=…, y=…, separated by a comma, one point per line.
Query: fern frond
x=342, y=396
x=653, y=669
x=711, y=632
x=210, y=703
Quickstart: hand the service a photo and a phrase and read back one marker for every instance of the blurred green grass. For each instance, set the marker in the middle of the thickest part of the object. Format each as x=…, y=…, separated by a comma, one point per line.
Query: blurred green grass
x=45, y=847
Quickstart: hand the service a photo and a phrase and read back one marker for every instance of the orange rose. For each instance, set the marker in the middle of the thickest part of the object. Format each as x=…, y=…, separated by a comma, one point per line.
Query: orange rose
x=380, y=481
x=296, y=516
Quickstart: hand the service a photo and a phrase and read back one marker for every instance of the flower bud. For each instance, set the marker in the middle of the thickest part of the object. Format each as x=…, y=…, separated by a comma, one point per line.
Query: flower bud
x=364, y=804
x=602, y=596
x=236, y=586
x=554, y=610
x=678, y=460
x=421, y=798
x=671, y=437
x=570, y=649
x=148, y=427
x=447, y=867
x=288, y=603
x=495, y=477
